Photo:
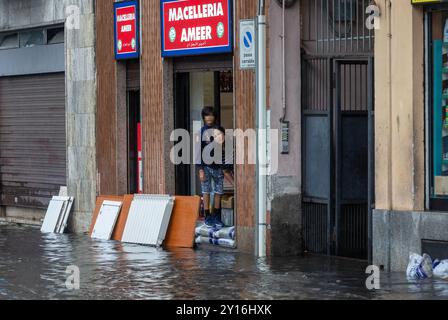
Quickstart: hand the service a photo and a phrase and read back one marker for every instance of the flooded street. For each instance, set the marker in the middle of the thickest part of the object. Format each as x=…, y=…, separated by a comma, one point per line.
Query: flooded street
x=33, y=266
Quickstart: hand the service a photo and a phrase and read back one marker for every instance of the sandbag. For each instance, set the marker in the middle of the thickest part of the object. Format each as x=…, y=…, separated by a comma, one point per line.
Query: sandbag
x=225, y=233
x=218, y=242
x=420, y=267
x=205, y=231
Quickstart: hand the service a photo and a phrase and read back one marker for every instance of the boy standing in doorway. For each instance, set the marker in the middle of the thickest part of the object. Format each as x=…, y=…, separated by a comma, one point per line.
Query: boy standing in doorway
x=211, y=172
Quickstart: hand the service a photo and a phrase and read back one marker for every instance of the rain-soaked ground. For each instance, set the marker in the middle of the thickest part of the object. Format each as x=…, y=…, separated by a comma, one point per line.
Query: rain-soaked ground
x=33, y=266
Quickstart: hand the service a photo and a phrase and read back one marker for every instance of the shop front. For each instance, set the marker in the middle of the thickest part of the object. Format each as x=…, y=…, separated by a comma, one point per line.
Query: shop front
x=436, y=43
x=197, y=38
x=155, y=83
x=411, y=145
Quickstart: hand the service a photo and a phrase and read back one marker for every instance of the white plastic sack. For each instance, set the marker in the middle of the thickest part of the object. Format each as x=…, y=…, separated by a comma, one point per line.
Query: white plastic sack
x=441, y=269
x=225, y=233
x=205, y=231
x=218, y=242
x=420, y=267
x=216, y=233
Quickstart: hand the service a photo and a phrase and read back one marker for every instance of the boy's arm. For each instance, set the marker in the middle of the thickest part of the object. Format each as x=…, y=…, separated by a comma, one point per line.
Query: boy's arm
x=198, y=152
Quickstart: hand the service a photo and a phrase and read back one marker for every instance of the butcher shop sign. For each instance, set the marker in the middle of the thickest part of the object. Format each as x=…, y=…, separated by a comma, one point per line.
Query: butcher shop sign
x=126, y=30
x=192, y=27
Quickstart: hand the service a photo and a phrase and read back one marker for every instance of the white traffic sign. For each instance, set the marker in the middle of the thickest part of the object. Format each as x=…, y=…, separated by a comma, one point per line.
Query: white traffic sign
x=247, y=44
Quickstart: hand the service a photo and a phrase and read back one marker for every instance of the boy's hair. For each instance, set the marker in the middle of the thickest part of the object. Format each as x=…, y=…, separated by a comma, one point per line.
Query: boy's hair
x=208, y=111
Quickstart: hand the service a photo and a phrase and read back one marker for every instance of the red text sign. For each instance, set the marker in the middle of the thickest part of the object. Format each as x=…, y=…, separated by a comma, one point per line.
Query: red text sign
x=126, y=30
x=196, y=27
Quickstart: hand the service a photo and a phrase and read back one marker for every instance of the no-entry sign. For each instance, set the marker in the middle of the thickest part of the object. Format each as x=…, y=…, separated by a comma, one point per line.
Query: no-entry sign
x=192, y=27
x=126, y=30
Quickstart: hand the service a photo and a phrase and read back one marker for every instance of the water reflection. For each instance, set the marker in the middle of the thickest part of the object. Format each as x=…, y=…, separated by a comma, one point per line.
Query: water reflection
x=33, y=266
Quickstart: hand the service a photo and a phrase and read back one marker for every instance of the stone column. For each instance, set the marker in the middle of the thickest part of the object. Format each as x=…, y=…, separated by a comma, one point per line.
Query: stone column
x=80, y=111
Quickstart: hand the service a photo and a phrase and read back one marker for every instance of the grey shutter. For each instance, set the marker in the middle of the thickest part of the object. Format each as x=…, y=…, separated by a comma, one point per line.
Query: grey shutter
x=32, y=139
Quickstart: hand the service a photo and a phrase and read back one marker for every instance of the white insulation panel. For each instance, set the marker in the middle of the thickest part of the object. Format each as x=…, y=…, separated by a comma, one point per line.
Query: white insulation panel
x=106, y=220
x=148, y=220
x=55, y=220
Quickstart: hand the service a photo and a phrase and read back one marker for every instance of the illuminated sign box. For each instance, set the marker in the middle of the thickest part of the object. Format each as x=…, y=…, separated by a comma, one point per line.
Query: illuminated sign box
x=127, y=42
x=192, y=27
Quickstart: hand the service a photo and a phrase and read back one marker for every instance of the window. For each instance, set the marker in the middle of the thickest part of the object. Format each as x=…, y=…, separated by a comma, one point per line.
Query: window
x=9, y=41
x=55, y=35
x=31, y=38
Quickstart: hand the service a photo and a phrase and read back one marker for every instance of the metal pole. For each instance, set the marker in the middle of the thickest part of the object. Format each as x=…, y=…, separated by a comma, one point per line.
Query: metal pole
x=262, y=126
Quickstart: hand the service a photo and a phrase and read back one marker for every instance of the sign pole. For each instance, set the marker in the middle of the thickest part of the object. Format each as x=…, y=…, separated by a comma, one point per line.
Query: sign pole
x=262, y=128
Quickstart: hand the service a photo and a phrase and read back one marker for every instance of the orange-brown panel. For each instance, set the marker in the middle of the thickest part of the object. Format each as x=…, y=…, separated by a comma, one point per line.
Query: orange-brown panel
x=183, y=222
x=117, y=235
x=122, y=217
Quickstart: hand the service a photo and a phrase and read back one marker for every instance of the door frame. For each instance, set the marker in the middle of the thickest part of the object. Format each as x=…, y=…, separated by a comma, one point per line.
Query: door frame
x=334, y=117
x=336, y=132
x=185, y=71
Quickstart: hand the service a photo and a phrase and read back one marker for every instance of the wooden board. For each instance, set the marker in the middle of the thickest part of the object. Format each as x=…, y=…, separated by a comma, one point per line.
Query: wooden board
x=122, y=218
x=117, y=235
x=183, y=222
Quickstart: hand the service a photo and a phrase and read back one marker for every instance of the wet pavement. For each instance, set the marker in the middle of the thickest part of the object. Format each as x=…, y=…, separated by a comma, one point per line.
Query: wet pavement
x=33, y=266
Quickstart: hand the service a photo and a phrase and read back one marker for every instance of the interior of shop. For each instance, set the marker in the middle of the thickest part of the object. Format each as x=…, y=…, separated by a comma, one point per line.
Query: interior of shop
x=193, y=92
x=438, y=117
x=133, y=128
x=134, y=142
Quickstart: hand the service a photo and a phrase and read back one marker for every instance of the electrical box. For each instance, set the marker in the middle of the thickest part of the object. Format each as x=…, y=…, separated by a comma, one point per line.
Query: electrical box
x=285, y=137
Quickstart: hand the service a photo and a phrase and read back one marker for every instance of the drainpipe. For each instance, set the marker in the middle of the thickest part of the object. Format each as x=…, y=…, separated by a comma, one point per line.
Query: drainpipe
x=262, y=127
x=282, y=120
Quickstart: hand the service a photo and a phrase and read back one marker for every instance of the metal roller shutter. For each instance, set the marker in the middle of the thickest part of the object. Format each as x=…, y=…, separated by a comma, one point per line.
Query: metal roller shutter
x=133, y=75
x=32, y=139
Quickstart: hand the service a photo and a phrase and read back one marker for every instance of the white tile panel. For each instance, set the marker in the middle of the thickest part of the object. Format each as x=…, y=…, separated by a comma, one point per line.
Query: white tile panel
x=106, y=220
x=148, y=220
x=63, y=218
x=57, y=215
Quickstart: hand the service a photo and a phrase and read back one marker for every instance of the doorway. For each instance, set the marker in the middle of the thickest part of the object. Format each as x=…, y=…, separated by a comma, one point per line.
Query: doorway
x=195, y=90
x=135, y=181
x=338, y=156
x=134, y=131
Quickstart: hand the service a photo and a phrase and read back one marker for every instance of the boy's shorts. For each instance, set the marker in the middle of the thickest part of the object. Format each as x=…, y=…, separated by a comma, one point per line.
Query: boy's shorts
x=215, y=175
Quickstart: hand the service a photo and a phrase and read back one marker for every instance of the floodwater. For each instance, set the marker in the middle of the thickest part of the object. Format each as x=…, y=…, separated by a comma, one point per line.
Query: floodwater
x=34, y=265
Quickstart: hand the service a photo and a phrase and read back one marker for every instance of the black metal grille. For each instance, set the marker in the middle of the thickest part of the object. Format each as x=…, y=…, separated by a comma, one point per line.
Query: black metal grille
x=315, y=227
x=353, y=238
x=316, y=84
x=354, y=86
x=336, y=27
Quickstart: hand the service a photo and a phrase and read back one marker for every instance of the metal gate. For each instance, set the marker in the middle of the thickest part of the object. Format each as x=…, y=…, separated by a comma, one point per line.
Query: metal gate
x=337, y=128
x=338, y=160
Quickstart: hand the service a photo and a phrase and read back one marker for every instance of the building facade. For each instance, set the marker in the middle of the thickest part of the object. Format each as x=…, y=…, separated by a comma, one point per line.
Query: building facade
x=361, y=102
x=47, y=107
x=410, y=148
x=168, y=93
x=71, y=112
